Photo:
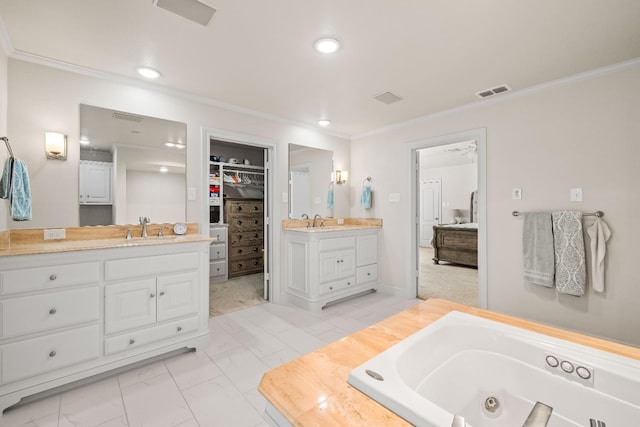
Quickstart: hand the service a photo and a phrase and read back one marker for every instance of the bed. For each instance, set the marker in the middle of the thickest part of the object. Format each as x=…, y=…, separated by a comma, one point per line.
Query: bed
x=458, y=243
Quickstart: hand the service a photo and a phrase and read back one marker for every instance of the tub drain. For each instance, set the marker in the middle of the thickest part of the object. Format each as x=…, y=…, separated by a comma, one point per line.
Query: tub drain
x=491, y=404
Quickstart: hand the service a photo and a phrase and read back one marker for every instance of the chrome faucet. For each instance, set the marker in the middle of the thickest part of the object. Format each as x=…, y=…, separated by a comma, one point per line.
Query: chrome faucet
x=315, y=217
x=304, y=216
x=144, y=221
x=539, y=415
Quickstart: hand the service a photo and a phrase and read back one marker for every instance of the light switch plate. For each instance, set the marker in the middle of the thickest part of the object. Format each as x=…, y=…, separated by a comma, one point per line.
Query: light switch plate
x=516, y=193
x=394, y=197
x=285, y=197
x=576, y=194
x=191, y=193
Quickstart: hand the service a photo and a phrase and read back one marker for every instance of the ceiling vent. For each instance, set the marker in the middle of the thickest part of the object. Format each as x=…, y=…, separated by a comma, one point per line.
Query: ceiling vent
x=493, y=91
x=388, y=98
x=127, y=117
x=193, y=10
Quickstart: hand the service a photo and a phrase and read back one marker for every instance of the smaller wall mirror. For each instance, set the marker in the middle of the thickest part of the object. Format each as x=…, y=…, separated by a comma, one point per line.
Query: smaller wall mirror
x=310, y=184
x=130, y=166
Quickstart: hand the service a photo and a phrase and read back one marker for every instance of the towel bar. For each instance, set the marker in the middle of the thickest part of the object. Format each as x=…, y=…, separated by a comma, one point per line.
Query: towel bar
x=598, y=214
x=6, y=141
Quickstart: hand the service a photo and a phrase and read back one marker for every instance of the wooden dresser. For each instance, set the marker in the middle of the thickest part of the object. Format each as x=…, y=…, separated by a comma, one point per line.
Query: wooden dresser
x=246, y=231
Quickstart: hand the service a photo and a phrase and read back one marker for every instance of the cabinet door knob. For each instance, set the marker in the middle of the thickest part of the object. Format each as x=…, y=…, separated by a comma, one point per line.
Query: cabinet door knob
x=152, y=295
x=53, y=277
x=338, y=261
x=348, y=283
x=368, y=274
x=53, y=311
x=52, y=353
x=179, y=328
x=132, y=341
x=162, y=293
x=330, y=288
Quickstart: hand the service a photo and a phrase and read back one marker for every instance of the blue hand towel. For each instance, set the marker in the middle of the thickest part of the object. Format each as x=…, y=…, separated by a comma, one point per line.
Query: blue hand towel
x=5, y=181
x=20, y=192
x=330, y=197
x=365, y=198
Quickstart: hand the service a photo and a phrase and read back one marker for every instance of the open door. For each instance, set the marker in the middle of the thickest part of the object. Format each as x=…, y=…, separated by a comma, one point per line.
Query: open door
x=267, y=225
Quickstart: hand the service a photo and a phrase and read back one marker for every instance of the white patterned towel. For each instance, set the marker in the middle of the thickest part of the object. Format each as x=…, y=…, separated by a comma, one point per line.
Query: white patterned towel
x=568, y=245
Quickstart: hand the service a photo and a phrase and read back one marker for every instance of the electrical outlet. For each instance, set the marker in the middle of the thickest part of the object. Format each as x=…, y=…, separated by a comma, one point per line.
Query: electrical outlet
x=54, y=234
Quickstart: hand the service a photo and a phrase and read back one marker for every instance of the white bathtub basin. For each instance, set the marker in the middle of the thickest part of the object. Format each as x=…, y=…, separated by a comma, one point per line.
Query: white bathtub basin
x=453, y=366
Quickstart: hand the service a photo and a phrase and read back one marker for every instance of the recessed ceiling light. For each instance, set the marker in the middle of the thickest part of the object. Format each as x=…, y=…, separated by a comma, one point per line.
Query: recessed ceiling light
x=324, y=122
x=327, y=45
x=169, y=144
x=164, y=169
x=147, y=72
x=85, y=142
x=180, y=146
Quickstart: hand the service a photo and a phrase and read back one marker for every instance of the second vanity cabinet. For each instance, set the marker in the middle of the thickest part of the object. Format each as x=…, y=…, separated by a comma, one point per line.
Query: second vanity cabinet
x=326, y=266
x=66, y=316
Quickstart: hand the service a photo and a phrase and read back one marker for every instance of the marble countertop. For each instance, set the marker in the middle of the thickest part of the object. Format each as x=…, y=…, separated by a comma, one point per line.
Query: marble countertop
x=313, y=389
x=328, y=228
x=93, y=244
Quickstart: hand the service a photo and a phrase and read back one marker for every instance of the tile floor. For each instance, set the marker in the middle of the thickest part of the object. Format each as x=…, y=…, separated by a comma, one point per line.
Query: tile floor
x=217, y=387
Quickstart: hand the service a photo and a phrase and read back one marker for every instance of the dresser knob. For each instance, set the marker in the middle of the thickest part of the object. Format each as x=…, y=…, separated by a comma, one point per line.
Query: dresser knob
x=239, y=208
x=52, y=353
x=256, y=222
x=255, y=208
x=53, y=311
x=179, y=328
x=132, y=341
x=152, y=295
x=53, y=277
x=239, y=222
x=255, y=249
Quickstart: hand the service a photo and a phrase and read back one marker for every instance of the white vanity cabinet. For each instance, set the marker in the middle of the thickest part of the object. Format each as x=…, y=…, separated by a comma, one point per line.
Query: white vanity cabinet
x=95, y=182
x=67, y=316
x=325, y=266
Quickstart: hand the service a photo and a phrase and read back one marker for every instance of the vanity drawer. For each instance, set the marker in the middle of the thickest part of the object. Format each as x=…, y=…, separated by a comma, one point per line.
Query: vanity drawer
x=31, y=279
x=338, y=285
x=218, y=233
x=48, y=311
x=146, y=336
x=150, y=266
x=217, y=251
x=218, y=268
x=366, y=273
x=38, y=355
x=337, y=243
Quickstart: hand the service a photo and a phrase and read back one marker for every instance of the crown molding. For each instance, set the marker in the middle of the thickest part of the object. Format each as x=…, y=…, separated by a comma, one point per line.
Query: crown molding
x=565, y=81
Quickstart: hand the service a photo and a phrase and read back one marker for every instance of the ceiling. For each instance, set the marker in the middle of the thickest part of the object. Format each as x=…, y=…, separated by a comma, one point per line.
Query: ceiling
x=258, y=55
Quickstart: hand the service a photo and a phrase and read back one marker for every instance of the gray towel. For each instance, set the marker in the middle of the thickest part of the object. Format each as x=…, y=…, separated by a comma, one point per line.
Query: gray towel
x=569, y=252
x=537, y=248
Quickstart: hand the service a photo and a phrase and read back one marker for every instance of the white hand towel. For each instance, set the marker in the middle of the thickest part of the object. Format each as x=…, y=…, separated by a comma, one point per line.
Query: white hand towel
x=598, y=233
x=568, y=243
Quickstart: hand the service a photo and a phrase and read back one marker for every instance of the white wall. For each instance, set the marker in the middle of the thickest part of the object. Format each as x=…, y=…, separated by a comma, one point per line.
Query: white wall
x=158, y=196
x=580, y=133
x=457, y=182
x=43, y=98
x=4, y=204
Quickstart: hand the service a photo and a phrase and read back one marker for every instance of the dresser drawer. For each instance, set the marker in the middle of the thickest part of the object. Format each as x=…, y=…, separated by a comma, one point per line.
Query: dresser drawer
x=35, y=356
x=367, y=273
x=246, y=238
x=31, y=279
x=244, y=206
x=217, y=268
x=146, y=336
x=218, y=233
x=48, y=311
x=217, y=251
x=150, y=266
x=246, y=265
x=242, y=252
x=241, y=223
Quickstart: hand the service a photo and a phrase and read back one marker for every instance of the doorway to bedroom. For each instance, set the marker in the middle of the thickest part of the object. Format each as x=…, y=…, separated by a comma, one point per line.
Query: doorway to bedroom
x=447, y=176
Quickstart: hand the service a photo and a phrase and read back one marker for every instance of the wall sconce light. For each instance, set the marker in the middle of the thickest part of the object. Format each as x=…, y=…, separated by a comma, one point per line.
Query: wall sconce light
x=55, y=145
x=342, y=177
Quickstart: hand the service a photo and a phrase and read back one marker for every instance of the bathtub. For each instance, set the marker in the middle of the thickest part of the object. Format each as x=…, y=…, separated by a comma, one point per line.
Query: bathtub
x=492, y=374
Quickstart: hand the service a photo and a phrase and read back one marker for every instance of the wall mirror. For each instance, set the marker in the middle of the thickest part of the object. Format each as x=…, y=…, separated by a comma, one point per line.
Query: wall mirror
x=130, y=166
x=310, y=185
